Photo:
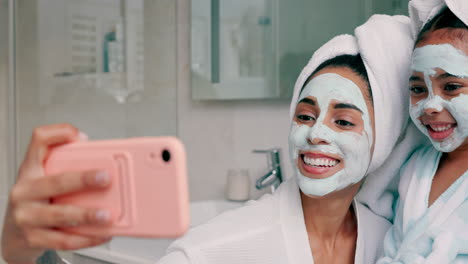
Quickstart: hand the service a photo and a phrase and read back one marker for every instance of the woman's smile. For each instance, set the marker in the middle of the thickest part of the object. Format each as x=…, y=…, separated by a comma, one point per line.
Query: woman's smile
x=319, y=165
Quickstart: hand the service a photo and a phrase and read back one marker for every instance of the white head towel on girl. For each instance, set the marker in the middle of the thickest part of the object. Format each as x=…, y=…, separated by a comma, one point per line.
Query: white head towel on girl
x=422, y=11
x=385, y=44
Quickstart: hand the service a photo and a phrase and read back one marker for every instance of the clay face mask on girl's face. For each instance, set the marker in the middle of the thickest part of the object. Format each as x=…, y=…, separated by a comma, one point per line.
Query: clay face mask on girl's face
x=351, y=148
x=427, y=60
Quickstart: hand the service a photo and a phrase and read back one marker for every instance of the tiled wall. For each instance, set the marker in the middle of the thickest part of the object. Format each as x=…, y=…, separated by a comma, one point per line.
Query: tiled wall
x=45, y=99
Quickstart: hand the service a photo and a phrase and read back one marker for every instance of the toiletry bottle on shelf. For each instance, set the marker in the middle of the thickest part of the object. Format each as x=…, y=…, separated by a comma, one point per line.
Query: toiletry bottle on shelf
x=113, y=60
x=108, y=38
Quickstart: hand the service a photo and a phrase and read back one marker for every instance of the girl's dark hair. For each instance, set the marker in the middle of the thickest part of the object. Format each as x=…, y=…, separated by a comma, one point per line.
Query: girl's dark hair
x=353, y=62
x=445, y=19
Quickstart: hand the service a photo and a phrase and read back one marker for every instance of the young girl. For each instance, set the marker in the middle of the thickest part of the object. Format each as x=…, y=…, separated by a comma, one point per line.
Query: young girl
x=431, y=224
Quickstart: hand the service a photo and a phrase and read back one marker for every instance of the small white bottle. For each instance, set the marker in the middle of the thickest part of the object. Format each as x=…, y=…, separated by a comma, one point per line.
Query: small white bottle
x=238, y=185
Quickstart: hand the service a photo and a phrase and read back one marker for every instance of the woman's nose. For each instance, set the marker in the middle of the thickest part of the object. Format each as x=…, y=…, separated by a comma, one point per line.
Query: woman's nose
x=317, y=141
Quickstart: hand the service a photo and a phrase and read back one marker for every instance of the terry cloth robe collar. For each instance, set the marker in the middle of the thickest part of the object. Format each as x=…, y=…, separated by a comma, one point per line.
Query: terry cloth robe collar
x=428, y=234
x=271, y=230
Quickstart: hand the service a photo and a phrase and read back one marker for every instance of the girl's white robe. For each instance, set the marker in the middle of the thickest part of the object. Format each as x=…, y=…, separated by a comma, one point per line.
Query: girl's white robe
x=426, y=234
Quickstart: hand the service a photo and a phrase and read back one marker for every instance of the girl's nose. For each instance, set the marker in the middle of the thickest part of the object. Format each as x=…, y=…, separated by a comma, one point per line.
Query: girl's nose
x=433, y=106
x=431, y=111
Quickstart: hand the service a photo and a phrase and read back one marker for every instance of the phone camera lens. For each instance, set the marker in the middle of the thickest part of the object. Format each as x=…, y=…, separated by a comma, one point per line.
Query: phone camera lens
x=166, y=155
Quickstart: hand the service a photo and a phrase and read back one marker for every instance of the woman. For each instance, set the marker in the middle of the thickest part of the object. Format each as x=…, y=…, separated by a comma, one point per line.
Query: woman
x=342, y=103
x=431, y=221
x=313, y=217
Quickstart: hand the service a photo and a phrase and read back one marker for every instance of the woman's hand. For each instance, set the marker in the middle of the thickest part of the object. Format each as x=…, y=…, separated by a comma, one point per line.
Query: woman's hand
x=31, y=222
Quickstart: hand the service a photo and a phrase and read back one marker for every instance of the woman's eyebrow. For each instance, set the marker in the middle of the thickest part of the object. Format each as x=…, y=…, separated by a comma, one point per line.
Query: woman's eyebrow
x=448, y=75
x=307, y=101
x=347, y=106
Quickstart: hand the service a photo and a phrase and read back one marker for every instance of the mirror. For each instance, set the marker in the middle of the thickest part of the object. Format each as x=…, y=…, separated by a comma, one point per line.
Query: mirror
x=255, y=49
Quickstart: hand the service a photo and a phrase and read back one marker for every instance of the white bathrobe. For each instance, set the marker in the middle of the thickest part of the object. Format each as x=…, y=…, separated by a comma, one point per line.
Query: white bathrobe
x=270, y=230
x=423, y=234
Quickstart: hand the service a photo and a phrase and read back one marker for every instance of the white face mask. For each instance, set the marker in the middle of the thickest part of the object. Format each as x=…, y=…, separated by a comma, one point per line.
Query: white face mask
x=353, y=148
x=453, y=61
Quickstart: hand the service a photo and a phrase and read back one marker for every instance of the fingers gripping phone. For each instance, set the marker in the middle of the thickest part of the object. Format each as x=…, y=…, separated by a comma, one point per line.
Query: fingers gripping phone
x=148, y=196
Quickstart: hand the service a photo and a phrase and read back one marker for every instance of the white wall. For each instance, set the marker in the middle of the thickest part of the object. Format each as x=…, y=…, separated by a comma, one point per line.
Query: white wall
x=220, y=135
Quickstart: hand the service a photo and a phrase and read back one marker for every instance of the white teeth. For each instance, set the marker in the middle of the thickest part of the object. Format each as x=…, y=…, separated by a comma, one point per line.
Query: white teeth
x=441, y=128
x=324, y=162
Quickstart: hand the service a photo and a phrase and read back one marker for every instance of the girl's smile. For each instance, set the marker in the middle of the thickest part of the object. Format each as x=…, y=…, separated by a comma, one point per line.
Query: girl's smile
x=439, y=131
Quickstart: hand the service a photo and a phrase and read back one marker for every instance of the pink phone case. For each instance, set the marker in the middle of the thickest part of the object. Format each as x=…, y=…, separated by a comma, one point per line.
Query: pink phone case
x=148, y=196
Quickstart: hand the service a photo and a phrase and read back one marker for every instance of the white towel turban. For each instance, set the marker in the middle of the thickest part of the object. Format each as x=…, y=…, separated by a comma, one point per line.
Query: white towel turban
x=385, y=44
x=422, y=11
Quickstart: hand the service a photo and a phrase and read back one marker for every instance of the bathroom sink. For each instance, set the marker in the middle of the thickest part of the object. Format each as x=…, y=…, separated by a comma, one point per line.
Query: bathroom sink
x=144, y=250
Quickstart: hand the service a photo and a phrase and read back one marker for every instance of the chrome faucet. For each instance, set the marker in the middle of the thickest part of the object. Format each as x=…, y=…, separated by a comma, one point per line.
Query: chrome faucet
x=273, y=177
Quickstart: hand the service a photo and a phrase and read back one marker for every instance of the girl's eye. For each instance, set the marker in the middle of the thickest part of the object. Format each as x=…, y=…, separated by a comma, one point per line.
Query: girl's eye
x=451, y=87
x=417, y=90
x=306, y=117
x=344, y=123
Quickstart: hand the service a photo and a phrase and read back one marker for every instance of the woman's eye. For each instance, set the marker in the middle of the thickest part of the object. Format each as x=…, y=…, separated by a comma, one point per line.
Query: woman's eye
x=344, y=123
x=306, y=118
x=416, y=90
x=450, y=87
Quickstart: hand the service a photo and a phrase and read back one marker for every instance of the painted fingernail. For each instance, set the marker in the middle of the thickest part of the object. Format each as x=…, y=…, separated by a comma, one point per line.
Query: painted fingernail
x=82, y=136
x=103, y=216
x=102, y=178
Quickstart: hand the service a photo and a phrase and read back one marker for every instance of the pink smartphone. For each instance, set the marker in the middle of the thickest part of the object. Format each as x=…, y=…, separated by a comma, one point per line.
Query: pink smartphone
x=148, y=196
